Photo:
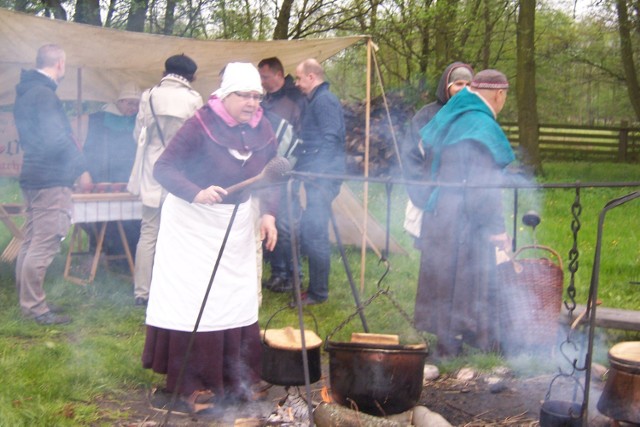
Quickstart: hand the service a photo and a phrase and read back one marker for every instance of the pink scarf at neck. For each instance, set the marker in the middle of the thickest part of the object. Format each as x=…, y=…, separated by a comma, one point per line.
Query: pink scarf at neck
x=216, y=105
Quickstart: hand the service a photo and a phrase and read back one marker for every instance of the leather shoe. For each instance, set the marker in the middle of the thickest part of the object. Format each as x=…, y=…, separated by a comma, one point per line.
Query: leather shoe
x=279, y=284
x=306, y=300
x=140, y=302
x=49, y=318
x=54, y=308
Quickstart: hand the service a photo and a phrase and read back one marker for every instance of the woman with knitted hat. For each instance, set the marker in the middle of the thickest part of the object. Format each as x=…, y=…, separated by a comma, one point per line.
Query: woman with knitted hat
x=455, y=77
x=227, y=141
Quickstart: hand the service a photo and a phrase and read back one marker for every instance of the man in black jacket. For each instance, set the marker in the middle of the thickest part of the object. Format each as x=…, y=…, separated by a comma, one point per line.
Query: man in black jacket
x=52, y=163
x=322, y=132
x=285, y=101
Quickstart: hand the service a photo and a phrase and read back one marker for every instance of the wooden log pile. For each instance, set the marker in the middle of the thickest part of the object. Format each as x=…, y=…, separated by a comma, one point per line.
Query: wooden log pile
x=382, y=153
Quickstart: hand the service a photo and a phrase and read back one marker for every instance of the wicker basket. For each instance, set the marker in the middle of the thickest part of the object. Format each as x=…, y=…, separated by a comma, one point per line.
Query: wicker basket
x=530, y=298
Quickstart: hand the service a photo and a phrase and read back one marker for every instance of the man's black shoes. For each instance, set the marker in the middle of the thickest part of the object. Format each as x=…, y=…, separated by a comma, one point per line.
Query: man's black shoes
x=140, y=302
x=50, y=318
x=279, y=284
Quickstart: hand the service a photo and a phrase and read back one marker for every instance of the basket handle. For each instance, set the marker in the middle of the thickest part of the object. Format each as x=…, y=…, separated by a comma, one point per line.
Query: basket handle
x=545, y=248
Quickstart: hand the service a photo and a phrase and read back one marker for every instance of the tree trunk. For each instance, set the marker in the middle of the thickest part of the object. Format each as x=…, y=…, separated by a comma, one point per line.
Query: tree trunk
x=21, y=5
x=626, y=53
x=137, y=15
x=526, y=85
x=110, y=11
x=57, y=9
x=446, y=28
x=87, y=12
x=281, y=32
x=488, y=28
x=169, y=17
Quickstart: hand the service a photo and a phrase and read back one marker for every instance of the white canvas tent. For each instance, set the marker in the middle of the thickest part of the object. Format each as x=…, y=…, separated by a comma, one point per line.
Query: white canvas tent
x=100, y=59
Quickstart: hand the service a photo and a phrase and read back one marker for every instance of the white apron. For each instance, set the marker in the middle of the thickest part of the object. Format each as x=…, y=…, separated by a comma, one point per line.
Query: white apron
x=188, y=244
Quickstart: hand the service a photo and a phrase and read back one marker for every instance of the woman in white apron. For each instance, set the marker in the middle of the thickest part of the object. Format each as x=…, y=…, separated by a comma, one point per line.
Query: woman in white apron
x=226, y=142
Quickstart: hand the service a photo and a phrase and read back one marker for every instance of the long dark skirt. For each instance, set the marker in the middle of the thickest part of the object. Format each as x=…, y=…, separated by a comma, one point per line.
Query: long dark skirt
x=458, y=297
x=225, y=362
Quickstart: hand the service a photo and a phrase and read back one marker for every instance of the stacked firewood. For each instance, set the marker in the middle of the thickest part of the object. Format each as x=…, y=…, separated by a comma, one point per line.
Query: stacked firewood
x=382, y=152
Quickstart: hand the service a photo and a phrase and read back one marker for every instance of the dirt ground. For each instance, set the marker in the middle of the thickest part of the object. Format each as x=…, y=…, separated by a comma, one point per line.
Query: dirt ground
x=479, y=401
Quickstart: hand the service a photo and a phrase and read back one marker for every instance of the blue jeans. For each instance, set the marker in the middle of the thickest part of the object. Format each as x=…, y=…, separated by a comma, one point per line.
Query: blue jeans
x=314, y=228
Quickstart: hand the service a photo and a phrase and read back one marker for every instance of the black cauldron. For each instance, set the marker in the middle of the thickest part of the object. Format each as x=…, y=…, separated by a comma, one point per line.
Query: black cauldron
x=379, y=379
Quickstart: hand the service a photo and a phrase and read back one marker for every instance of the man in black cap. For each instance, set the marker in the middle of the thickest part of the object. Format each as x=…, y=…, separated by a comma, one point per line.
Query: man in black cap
x=163, y=110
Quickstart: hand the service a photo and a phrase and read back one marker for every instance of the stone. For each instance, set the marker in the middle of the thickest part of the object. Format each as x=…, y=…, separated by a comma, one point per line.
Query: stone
x=431, y=372
x=465, y=374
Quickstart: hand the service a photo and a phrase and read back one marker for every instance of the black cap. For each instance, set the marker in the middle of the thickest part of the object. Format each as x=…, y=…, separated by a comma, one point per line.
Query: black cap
x=181, y=65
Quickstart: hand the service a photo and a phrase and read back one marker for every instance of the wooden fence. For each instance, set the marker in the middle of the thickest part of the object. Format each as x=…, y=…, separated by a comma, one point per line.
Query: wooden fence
x=567, y=142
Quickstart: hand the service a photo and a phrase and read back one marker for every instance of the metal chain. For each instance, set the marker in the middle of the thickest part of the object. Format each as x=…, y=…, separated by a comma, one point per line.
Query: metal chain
x=365, y=304
x=404, y=314
x=576, y=210
x=360, y=309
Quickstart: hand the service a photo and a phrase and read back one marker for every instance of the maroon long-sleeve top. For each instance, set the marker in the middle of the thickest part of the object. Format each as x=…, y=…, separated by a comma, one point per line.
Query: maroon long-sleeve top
x=199, y=156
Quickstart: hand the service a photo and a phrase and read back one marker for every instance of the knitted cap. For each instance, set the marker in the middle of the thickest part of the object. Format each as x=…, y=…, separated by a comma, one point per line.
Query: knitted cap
x=490, y=79
x=460, y=73
x=239, y=77
x=181, y=65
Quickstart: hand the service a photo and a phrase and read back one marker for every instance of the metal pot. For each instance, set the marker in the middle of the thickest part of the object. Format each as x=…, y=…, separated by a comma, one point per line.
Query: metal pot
x=560, y=413
x=379, y=379
x=282, y=356
x=620, y=399
x=285, y=367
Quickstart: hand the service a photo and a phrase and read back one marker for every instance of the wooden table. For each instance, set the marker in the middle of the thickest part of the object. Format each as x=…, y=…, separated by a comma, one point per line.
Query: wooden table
x=9, y=211
x=96, y=210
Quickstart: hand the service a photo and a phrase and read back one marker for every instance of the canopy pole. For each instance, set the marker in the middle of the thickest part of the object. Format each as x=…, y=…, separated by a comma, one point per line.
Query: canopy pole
x=365, y=202
x=79, y=107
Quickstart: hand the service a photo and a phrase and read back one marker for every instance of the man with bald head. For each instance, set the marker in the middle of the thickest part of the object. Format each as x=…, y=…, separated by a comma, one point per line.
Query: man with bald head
x=322, y=151
x=458, y=294
x=52, y=163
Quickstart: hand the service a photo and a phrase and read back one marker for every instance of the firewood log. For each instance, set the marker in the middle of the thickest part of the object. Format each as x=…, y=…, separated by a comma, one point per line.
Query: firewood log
x=333, y=415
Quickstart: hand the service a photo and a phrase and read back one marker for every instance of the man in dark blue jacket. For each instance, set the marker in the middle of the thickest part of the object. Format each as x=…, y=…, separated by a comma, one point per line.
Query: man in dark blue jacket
x=52, y=163
x=322, y=133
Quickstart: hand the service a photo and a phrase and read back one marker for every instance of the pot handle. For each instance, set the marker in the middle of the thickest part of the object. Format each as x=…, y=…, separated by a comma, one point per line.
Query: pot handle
x=266, y=327
x=564, y=375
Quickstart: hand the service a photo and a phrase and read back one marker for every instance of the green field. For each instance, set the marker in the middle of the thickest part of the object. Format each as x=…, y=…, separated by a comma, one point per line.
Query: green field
x=54, y=375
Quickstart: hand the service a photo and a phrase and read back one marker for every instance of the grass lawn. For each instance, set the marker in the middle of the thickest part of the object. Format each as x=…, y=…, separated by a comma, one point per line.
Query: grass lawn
x=54, y=375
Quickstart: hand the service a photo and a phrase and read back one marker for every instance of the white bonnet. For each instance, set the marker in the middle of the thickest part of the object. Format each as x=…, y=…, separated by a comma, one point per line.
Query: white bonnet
x=239, y=77
x=129, y=90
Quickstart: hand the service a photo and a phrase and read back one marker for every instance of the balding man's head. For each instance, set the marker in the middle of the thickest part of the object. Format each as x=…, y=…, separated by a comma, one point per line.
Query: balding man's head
x=492, y=86
x=51, y=59
x=309, y=74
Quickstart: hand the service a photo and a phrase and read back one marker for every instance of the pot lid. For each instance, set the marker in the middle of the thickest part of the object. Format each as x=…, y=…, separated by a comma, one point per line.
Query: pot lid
x=628, y=352
x=290, y=339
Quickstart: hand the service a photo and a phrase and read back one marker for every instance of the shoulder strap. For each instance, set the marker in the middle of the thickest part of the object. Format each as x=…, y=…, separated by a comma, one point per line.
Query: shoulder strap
x=155, y=118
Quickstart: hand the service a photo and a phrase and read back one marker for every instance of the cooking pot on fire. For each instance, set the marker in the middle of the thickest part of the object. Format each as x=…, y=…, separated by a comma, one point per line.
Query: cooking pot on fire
x=620, y=399
x=561, y=413
x=282, y=355
x=380, y=379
